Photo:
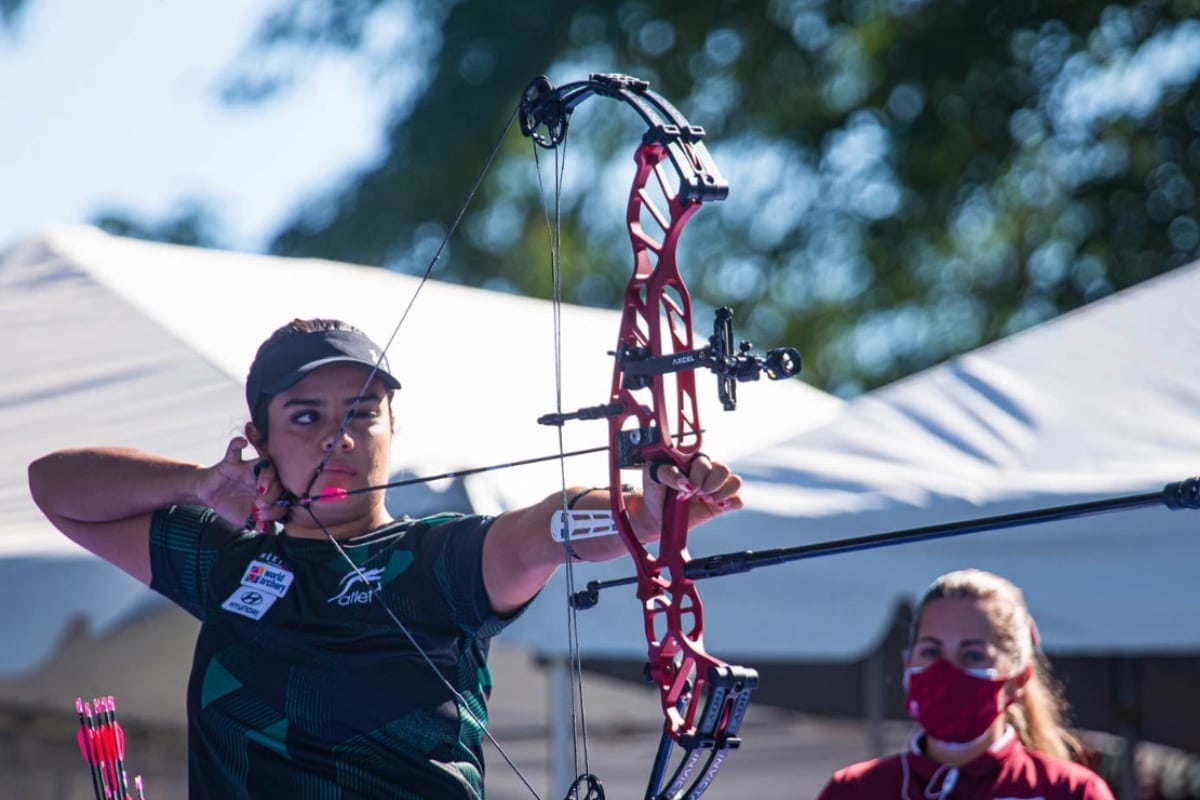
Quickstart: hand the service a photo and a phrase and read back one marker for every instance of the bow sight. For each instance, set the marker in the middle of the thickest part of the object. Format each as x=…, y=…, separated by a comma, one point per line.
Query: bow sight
x=730, y=367
x=638, y=366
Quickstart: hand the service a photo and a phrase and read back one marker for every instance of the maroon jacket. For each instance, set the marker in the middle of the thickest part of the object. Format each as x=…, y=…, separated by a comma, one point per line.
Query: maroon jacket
x=1006, y=772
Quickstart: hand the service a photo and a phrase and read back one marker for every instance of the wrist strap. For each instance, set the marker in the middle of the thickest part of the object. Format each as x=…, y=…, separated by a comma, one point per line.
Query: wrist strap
x=571, y=523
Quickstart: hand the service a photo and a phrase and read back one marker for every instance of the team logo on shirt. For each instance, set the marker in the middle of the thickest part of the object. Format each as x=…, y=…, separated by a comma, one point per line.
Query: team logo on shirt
x=262, y=584
x=352, y=591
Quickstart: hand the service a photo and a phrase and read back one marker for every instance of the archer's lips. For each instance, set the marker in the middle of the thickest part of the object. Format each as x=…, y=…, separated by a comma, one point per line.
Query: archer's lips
x=339, y=469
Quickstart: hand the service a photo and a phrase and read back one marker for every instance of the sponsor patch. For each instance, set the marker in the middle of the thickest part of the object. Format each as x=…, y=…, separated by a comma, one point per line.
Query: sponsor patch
x=269, y=578
x=249, y=602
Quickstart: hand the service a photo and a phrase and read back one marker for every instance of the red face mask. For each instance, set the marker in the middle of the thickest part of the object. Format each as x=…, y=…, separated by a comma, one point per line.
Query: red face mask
x=954, y=706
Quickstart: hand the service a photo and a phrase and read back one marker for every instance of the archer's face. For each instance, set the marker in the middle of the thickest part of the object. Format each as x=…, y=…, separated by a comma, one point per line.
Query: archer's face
x=306, y=424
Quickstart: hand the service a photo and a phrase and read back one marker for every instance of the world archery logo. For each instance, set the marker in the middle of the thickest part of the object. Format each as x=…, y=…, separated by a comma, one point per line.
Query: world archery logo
x=352, y=593
x=268, y=578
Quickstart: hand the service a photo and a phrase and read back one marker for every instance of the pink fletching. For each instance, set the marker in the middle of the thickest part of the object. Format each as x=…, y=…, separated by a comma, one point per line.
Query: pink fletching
x=87, y=746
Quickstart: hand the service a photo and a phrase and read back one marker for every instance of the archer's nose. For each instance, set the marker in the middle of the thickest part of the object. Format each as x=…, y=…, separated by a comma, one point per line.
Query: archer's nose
x=338, y=439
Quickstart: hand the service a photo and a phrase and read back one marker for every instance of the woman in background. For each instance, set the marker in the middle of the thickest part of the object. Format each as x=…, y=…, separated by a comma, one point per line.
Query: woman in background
x=991, y=725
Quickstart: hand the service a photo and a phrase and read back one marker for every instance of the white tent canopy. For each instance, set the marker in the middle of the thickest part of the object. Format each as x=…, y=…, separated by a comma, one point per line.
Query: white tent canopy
x=1098, y=403
x=117, y=341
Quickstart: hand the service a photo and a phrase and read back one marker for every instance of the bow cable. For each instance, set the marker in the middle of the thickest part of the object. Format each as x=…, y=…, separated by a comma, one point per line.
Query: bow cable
x=553, y=216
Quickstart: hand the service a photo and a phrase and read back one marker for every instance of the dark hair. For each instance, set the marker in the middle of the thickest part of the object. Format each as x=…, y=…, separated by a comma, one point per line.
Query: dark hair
x=1039, y=712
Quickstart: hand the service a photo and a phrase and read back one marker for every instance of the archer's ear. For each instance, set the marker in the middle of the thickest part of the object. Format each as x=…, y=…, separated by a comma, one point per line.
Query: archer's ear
x=255, y=439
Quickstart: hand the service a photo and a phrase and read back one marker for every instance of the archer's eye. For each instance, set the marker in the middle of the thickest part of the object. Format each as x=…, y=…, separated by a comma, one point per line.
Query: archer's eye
x=304, y=418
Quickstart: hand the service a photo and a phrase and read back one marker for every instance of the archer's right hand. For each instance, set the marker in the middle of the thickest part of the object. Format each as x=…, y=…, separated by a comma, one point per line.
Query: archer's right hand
x=242, y=491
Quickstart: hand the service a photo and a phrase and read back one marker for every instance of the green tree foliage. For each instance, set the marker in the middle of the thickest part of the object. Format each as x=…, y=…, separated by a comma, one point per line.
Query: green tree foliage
x=10, y=11
x=189, y=223
x=909, y=178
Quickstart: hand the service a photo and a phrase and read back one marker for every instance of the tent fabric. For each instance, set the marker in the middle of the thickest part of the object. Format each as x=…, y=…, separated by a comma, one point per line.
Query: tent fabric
x=146, y=344
x=119, y=341
x=1098, y=403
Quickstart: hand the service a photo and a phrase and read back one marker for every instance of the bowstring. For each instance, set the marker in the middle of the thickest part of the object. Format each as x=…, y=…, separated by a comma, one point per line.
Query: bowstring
x=459, y=699
x=462, y=212
x=353, y=409
x=553, y=217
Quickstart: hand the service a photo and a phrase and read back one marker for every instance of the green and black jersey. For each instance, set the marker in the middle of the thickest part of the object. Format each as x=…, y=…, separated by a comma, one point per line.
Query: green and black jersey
x=302, y=685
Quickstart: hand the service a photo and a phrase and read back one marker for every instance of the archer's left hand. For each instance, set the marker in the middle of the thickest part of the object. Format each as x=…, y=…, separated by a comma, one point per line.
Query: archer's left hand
x=709, y=488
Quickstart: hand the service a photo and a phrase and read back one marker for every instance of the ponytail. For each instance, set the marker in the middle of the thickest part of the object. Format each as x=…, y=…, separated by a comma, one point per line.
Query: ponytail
x=1038, y=716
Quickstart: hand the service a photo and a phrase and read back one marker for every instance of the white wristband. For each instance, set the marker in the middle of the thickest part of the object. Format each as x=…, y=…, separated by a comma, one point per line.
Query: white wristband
x=581, y=524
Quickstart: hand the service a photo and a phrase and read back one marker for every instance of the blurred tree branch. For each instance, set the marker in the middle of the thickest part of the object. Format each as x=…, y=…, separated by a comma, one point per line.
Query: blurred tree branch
x=910, y=178
x=10, y=12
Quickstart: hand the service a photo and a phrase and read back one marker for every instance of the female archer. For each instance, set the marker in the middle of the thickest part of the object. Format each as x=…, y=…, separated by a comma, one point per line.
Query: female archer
x=342, y=653
x=979, y=688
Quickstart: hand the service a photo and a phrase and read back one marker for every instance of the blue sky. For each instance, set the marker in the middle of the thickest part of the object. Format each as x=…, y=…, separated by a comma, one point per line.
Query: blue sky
x=116, y=105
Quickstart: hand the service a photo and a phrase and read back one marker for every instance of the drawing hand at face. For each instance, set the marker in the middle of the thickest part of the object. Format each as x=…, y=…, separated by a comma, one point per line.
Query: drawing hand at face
x=243, y=490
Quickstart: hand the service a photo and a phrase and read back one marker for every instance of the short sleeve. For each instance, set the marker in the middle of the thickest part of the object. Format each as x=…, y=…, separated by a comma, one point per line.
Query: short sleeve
x=185, y=542
x=458, y=570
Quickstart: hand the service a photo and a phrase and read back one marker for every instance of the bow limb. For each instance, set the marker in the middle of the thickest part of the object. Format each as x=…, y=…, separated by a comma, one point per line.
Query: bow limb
x=659, y=422
x=655, y=323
